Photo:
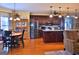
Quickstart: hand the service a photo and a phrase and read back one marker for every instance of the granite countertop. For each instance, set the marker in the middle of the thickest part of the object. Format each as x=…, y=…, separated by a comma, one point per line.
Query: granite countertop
x=72, y=30
x=53, y=30
x=61, y=30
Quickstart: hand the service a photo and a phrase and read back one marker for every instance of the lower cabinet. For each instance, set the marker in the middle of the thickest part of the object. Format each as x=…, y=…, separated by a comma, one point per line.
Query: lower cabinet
x=52, y=36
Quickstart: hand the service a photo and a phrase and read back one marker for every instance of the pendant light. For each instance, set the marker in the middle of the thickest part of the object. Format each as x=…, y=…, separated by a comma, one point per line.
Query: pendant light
x=60, y=16
x=51, y=13
x=15, y=16
x=67, y=12
x=76, y=17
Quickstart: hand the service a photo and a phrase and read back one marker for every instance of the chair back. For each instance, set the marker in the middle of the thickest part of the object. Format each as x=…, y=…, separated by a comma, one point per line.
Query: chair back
x=7, y=33
x=23, y=38
x=23, y=34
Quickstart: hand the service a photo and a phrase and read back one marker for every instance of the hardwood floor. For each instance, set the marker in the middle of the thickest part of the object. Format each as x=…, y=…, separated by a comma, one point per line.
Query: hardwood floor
x=35, y=47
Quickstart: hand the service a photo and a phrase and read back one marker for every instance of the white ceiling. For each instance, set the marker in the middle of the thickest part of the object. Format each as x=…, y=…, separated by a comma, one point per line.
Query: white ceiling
x=40, y=7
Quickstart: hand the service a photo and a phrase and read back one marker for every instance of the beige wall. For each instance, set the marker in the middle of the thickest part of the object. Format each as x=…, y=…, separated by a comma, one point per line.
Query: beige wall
x=24, y=15
x=5, y=10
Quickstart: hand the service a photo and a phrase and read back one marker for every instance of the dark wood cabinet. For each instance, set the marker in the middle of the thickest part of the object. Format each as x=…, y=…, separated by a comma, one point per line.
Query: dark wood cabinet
x=40, y=33
x=45, y=19
x=52, y=36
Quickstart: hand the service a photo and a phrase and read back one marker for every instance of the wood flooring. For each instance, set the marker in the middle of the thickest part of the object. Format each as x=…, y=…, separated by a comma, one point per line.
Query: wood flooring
x=35, y=47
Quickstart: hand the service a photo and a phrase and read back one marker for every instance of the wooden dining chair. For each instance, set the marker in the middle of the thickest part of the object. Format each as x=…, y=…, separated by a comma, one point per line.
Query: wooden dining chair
x=15, y=42
x=22, y=38
x=7, y=39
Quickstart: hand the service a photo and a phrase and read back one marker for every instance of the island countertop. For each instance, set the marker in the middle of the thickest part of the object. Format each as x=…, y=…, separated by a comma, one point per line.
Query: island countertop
x=63, y=30
x=72, y=30
x=52, y=30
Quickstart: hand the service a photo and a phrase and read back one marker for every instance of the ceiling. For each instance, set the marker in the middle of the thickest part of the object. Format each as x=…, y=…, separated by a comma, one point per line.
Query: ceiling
x=42, y=8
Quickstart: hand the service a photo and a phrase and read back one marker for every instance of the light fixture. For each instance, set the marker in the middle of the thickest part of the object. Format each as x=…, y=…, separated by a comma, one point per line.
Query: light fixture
x=14, y=16
x=11, y=18
x=76, y=17
x=68, y=12
x=60, y=16
x=51, y=13
x=67, y=16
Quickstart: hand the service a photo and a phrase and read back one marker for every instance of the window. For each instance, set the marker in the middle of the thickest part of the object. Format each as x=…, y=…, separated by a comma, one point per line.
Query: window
x=4, y=23
x=68, y=23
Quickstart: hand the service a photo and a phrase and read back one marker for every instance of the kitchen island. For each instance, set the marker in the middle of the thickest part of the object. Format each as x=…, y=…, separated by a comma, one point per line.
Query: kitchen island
x=50, y=36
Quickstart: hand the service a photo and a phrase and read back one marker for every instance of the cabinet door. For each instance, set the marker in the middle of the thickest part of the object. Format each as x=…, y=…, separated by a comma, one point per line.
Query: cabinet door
x=49, y=36
x=59, y=36
x=53, y=36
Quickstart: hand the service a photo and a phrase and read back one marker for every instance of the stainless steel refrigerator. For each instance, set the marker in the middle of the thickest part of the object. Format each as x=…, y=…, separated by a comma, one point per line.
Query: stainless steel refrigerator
x=33, y=30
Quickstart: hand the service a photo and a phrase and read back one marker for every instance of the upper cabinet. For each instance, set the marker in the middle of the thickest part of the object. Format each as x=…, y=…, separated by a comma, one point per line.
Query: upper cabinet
x=46, y=19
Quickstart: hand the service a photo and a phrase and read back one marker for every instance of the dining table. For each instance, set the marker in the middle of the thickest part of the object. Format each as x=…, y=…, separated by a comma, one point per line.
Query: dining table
x=15, y=38
x=14, y=34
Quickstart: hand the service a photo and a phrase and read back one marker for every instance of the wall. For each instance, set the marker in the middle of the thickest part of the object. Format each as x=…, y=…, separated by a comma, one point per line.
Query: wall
x=24, y=15
x=5, y=10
